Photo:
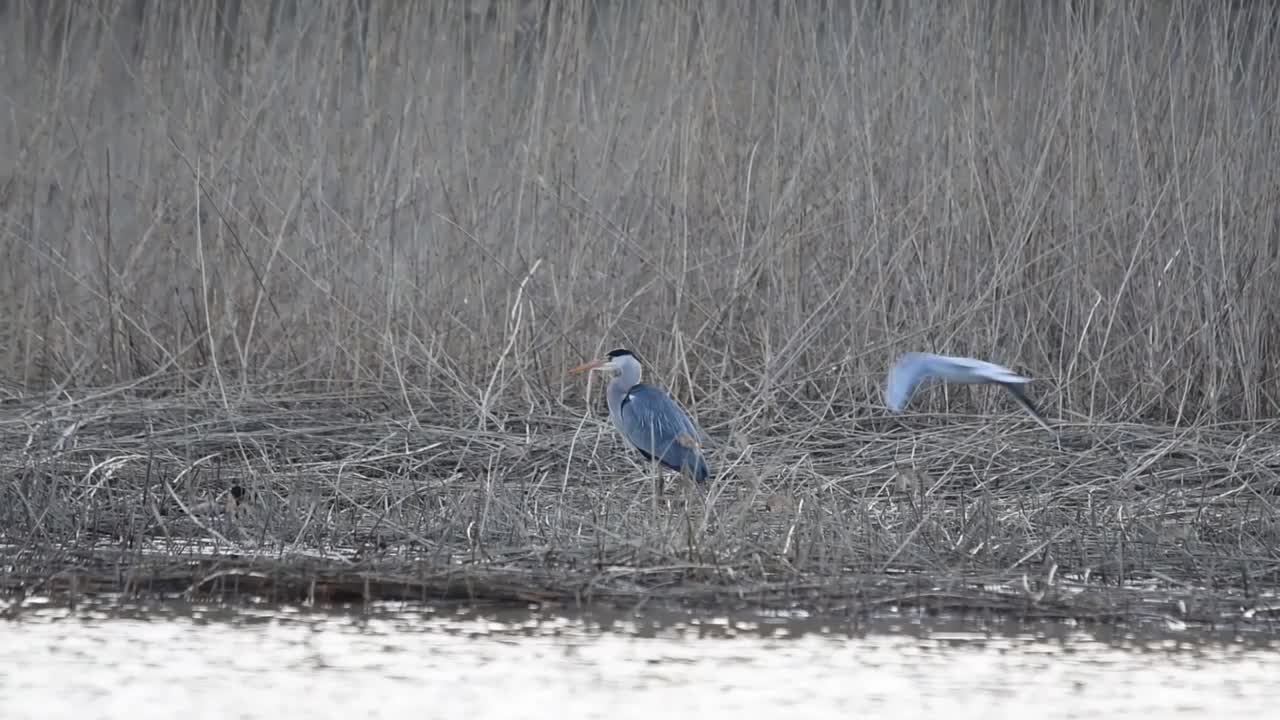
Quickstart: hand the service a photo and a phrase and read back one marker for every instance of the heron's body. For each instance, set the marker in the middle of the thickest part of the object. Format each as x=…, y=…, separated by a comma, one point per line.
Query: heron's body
x=650, y=419
x=913, y=369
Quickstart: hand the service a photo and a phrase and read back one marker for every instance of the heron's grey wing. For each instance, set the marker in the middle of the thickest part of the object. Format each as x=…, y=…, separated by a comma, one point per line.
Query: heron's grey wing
x=906, y=374
x=660, y=429
x=970, y=370
x=911, y=369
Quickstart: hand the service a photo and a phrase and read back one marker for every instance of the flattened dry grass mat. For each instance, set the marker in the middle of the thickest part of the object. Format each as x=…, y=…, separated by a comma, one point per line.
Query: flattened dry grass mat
x=322, y=497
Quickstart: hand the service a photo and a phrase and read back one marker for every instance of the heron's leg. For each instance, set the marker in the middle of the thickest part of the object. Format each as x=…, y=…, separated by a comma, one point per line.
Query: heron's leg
x=658, y=487
x=695, y=500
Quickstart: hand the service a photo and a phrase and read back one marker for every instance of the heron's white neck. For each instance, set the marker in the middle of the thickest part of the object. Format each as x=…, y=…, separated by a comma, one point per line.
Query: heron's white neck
x=628, y=369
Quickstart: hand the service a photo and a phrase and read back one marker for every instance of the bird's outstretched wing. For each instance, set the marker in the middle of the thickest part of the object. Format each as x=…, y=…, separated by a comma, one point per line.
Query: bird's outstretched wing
x=913, y=368
x=662, y=431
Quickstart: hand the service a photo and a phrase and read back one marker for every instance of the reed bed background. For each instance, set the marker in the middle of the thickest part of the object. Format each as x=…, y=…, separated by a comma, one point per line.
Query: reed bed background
x=340, y=255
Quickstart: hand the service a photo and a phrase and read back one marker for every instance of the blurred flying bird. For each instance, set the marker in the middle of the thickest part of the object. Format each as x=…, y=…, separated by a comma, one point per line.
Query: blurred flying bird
x=648, y=418
x=912, y=369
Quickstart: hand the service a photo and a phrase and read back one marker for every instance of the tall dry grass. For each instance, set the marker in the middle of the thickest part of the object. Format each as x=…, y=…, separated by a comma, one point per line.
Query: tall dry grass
x=763, y=200
x=429, y=211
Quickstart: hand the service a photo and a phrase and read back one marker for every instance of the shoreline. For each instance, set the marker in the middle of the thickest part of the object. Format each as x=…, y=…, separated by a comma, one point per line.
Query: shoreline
x=231, y=578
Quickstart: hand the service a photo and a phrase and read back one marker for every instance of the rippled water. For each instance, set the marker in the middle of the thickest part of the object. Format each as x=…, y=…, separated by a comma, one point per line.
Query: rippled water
x=192, y=662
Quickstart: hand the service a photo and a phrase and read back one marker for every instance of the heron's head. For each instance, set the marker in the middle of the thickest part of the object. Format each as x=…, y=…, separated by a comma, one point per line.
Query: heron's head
x=615, y=361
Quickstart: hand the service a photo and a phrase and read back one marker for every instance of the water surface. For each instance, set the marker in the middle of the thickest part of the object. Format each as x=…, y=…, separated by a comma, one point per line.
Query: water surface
x=396, y=662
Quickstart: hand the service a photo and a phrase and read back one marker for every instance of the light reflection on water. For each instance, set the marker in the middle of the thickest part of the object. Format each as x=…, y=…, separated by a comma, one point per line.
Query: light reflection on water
x=194, y=662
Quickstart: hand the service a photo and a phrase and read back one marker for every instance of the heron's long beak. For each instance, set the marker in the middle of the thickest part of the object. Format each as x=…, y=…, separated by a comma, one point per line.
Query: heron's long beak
x=587, y=366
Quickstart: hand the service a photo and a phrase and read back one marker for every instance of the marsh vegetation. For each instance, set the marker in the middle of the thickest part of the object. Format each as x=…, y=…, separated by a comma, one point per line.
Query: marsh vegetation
x=341, y=254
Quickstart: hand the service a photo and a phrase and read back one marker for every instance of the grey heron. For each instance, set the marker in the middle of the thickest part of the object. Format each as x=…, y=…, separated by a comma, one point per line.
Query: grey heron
x=912, y=369
x=648, y=418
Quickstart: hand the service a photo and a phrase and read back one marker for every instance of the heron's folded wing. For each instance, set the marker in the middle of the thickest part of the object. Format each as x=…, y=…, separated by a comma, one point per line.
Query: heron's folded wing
x=656, y=425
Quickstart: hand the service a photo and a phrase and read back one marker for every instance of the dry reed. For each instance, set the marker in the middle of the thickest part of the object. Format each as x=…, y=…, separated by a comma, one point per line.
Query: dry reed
x=340, y=254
